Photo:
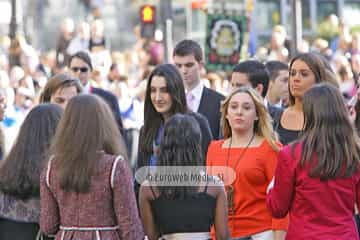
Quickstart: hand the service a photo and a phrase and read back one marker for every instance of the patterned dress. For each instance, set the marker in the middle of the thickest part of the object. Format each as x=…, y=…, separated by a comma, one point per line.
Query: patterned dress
x=19, y=218
x=108, y=211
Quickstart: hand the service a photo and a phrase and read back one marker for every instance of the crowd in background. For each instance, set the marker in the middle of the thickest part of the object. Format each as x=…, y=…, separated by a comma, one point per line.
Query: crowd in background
x=174, y=115
x=25, y=70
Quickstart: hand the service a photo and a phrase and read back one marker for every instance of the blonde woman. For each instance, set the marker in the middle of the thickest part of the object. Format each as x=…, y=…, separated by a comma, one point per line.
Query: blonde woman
x=250, y=148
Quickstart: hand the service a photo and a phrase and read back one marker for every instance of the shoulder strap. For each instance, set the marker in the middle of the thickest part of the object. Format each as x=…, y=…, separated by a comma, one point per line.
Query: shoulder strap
x=152, y=191
x=206, y=186
x=39, y=235
x=48, y=171
x=112, y=175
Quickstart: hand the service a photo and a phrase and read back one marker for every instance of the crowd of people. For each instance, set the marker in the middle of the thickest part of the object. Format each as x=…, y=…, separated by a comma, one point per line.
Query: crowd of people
x=286, y=127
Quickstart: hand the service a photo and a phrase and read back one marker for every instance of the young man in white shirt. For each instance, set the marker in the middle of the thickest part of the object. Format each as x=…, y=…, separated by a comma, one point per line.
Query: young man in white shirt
x=188, y=58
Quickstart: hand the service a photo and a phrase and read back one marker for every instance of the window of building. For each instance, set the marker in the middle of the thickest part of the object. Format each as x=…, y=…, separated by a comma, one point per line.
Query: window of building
x=306, y=19
x=325, y=8
x=351, y=13
x=267, y=14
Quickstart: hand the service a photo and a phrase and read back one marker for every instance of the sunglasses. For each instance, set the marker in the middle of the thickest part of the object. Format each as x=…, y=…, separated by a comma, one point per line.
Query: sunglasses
x=81, y=69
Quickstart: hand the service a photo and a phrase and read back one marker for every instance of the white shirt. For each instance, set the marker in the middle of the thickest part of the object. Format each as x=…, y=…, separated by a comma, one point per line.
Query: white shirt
x=87, y=88
x=197, y=93
x=266, y=102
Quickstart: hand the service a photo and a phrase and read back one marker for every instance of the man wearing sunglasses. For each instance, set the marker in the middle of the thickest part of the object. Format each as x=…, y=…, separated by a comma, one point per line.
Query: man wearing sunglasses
x=81, y=67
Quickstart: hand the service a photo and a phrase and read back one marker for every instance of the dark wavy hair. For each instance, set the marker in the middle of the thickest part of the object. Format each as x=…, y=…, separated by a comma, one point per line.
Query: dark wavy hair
x=326, y=125
x=153, y=119
x=20, y=171
x=180, y=146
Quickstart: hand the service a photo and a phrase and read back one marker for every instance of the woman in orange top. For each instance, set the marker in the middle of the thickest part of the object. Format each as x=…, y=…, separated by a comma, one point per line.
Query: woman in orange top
x=250, y=148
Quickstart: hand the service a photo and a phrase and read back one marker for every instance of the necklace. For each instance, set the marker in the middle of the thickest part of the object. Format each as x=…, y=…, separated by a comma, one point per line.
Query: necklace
x=230, y=188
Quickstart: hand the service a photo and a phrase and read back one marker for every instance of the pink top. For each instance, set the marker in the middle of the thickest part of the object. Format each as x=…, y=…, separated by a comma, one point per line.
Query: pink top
x=318, y=209
x=109, y=206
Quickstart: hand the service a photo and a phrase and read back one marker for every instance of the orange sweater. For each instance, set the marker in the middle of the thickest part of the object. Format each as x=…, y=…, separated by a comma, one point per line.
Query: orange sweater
x=253, y=174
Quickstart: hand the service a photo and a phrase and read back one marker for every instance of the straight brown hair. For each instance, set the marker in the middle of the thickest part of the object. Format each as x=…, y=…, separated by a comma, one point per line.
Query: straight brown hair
x=20, y=170
x=328, y=134
x=86, y=129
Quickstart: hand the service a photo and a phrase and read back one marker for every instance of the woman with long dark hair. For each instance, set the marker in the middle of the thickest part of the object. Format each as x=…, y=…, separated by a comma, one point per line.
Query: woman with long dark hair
x=182, y=212
x=87, y=190
x=317, y=179
x=20, y=174
x=164, y=97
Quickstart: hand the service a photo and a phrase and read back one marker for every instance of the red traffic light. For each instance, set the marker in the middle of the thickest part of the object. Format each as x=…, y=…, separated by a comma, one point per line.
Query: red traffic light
x=147, y=14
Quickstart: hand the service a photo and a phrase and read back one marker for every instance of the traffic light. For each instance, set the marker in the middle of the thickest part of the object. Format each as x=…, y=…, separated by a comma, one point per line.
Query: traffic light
x=148, y=21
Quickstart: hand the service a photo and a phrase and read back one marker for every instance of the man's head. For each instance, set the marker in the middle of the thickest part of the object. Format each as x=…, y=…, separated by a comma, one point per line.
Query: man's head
x=59, y=89
x=278, y=84
x=188, y=58
x=81, y=66
x=250, y=73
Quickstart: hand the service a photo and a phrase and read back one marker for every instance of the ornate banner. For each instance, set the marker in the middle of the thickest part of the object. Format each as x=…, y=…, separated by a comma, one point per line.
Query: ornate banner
x=224, y=39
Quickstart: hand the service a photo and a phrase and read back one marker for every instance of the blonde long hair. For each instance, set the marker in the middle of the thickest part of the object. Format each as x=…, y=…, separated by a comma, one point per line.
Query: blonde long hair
x=262, y=127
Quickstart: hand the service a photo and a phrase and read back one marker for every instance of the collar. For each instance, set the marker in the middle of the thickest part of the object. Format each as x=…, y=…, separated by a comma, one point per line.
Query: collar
x=197, y=91
x=87, y=88
x=267, y=104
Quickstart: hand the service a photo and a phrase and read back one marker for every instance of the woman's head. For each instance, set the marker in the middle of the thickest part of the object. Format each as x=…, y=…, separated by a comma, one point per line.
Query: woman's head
x=306, y=69
x=181, y=142
x=165, y=93
x=20, y=172
x=164, y=97
x=326, y=124
x=244, y=110
x=60, y=89
x=180, y=146
x=87, y=127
